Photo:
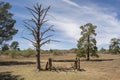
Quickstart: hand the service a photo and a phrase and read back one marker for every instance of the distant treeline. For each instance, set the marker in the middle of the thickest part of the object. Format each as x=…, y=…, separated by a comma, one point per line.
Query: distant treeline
x=31, y=52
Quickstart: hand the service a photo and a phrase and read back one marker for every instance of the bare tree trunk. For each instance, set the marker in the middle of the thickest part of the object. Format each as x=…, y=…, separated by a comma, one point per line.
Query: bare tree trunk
x=38, y=60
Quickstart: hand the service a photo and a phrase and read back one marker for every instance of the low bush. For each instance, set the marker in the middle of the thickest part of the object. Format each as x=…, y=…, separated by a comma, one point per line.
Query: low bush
x=57, y=53
x=12, y=53
x=23, y=53
x=27, y=53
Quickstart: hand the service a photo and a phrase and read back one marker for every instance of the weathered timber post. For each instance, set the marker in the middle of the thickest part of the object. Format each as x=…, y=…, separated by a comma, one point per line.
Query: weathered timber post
x=50, y=64
x=78, y=62
x=46, y=67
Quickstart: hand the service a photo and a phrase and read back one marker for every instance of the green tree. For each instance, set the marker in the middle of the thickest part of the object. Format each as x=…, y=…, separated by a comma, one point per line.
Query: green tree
x=102, y=50
x=114, y=46
x=36, y=26
x=7, y=29
x=14, y=45
x=5, y=47
x=86, y=46
x=51, y=50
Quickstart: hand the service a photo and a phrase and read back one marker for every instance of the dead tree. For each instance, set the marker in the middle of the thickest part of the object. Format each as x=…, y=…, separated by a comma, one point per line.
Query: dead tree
x=37, y=28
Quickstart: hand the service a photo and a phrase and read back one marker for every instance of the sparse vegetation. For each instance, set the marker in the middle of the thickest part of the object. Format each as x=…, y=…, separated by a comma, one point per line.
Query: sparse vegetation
x=5, y=47
x=28, y=53
x=16, y=53
x=14, y=45
x=114, y=47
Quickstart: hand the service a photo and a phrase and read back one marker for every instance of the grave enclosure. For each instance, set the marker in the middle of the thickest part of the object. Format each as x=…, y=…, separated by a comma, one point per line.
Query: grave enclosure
x=50, y=66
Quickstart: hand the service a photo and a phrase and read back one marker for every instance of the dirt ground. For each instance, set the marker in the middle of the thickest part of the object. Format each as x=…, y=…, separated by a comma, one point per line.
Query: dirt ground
x=107, y=67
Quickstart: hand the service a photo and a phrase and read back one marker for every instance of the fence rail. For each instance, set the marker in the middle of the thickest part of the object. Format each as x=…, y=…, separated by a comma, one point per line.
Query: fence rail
x=64, y=60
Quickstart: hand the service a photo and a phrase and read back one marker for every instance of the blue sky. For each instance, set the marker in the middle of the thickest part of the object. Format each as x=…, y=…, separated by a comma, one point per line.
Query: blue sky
x=67, y=16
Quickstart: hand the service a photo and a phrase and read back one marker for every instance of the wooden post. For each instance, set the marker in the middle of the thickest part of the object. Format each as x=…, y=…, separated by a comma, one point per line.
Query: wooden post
x=78, y=64
x=46, y=67
x=50, y=64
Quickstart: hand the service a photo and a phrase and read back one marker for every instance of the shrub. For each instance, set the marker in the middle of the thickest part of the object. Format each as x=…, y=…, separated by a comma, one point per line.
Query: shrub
x=57, y=53
x=27, y=53
x=24, y=53
x=12, y=53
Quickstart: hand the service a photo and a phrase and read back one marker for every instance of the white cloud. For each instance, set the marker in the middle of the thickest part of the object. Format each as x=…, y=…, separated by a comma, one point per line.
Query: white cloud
x=69, y=27
x=71, y=3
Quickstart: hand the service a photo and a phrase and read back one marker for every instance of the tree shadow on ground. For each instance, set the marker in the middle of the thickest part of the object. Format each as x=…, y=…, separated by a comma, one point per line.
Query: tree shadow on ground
x=9, y=76
x=98, y=60
x=9, y=63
